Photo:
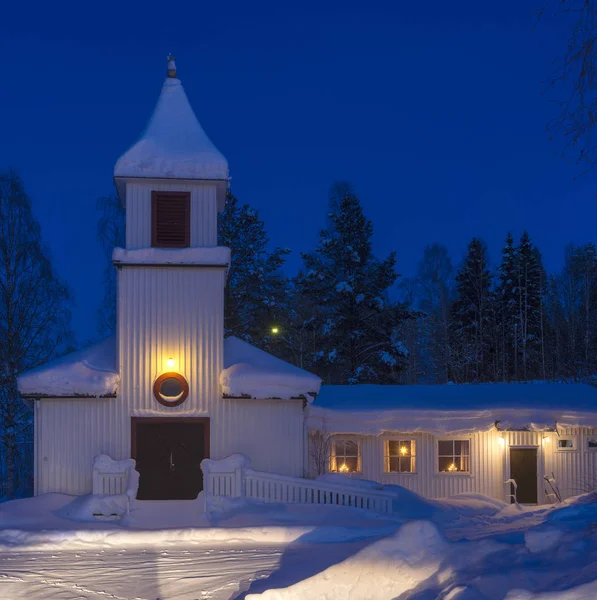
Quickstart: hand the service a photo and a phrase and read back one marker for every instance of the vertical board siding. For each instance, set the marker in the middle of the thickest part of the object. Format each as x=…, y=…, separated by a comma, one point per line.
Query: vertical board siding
x=204, y=213
x=165, y=312
x=269, y=432
x=170, y=312
x=72, y=433
x=575, y=470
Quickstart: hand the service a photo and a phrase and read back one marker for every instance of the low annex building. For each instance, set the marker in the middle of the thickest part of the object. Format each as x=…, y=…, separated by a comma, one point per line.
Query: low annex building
x=169, y=391
x=442, y=440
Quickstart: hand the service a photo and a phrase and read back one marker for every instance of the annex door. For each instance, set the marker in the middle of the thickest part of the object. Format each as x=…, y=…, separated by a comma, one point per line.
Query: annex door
x=169, y=452
x=523, y=469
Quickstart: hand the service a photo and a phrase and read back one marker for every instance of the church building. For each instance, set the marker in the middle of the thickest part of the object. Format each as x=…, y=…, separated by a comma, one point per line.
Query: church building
x=168, y=390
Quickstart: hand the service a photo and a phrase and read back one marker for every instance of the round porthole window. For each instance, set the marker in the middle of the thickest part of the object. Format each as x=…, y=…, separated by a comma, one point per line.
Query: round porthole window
x=170, y=389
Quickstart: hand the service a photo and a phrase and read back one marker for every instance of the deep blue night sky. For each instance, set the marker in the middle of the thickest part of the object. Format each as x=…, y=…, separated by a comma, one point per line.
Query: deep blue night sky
x=433, y=110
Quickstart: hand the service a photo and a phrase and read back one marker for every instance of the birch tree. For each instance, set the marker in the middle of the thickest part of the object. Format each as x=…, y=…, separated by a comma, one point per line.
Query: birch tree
x=34, y=314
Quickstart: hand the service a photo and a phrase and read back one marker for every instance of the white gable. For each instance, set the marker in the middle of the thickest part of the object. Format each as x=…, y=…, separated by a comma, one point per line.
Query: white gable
x=174, y=144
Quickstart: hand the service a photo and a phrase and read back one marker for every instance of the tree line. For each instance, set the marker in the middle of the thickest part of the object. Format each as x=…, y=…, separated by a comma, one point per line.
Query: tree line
x=348, y=317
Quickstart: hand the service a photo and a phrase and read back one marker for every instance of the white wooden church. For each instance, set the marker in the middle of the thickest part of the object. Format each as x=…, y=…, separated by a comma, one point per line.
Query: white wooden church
x=169, y=391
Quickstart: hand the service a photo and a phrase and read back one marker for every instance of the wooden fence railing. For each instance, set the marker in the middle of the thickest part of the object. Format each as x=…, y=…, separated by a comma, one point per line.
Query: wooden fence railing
x=269, y=487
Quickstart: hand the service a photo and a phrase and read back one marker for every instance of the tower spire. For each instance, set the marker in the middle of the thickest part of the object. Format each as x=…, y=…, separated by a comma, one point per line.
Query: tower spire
x=171, y=67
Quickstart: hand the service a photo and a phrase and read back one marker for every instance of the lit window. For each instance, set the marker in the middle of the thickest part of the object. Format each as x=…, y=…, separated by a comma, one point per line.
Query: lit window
x=453, y=456
x=592, y=443
x=565, y=444
x=346, y=456
x=399, y=456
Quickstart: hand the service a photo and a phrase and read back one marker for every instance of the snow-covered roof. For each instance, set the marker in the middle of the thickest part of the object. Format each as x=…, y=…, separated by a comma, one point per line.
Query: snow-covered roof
x=90, y=372
x=174, y=144
x=375, y=409
x=254, y=373
x=213, y=256
x=93, y=372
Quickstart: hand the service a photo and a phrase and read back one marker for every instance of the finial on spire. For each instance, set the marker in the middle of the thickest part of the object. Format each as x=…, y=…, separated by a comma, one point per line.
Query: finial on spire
x=171, y=67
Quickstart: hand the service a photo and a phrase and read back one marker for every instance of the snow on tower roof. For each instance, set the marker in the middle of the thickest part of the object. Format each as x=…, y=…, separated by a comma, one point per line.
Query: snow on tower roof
x=90, y=372
x=174, y=144
x=254, y=373
x=374, y=409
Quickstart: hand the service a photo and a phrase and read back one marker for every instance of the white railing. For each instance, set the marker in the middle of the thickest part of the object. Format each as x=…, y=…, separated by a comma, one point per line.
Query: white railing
x=109, y=483
x=231, y=478
x=277, y=488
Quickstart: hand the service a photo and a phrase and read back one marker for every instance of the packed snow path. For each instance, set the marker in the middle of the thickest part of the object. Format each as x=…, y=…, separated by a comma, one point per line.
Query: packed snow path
x=171, y=574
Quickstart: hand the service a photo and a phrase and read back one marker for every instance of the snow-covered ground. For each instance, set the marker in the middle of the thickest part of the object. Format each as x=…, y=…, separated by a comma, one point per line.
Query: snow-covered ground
x=464, y=548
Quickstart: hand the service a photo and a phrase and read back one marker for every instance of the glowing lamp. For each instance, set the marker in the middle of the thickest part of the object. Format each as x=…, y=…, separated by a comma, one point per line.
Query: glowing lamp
x=501, y=441
x=170, y=362
x=546, y=439
x=343, y=468
x=452, y=467
x=403, y=450
x=275, y=330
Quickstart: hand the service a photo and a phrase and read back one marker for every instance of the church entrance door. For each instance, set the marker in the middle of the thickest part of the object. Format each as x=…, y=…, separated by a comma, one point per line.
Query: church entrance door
x=169, y=451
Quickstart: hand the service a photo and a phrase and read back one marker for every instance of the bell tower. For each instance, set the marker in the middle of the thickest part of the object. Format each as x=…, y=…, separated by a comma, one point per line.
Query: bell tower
x=171, y=273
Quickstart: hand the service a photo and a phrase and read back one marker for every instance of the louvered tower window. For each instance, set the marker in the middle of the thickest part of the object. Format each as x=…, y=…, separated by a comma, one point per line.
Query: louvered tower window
x=170, y=219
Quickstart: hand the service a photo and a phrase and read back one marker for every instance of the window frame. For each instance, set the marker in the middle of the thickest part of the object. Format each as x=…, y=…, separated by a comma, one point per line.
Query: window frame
x=412, y=456
x=155, y=196
x=157, y=384
x=333, y=456
x=591, y=438
x=454, y=439
x=574, y=441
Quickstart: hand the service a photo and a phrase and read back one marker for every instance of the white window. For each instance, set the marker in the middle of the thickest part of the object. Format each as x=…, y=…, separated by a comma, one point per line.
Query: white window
x=565, y=444
x=592, y=443
x=399, y=456
x=345, y=456
x=453, y=456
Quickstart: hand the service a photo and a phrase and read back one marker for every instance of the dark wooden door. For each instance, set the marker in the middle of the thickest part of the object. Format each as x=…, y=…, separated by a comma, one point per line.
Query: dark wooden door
x=169, y=454
x=523, y=469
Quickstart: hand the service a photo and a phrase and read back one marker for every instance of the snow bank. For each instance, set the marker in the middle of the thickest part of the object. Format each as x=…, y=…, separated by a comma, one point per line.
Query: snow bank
x=443, y=409
x=89, y=372
x=347, y=480
x=385, y=569
x=208, y=256
x=254, y=373
x=174, y=144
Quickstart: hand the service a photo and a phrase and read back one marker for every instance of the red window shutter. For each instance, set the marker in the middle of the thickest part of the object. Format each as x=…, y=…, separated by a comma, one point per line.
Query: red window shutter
x=170, y=219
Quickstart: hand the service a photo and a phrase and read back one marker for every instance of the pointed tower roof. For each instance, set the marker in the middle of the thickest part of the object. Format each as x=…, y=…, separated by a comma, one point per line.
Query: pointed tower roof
x=174, y=145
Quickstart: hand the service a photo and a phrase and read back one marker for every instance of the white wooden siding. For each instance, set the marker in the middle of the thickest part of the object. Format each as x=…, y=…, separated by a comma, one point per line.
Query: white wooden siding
x=165, y=312
x=269, y=432
x=69, y=433
x=204, y=213
x=574, y=470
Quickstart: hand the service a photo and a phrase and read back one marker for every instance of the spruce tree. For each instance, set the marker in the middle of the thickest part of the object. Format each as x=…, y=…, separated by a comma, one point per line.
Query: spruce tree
x=584, y=268
x=360, y=326
x=507, y=302
x=255, y=288
x=471, y=315
x=529, y=292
